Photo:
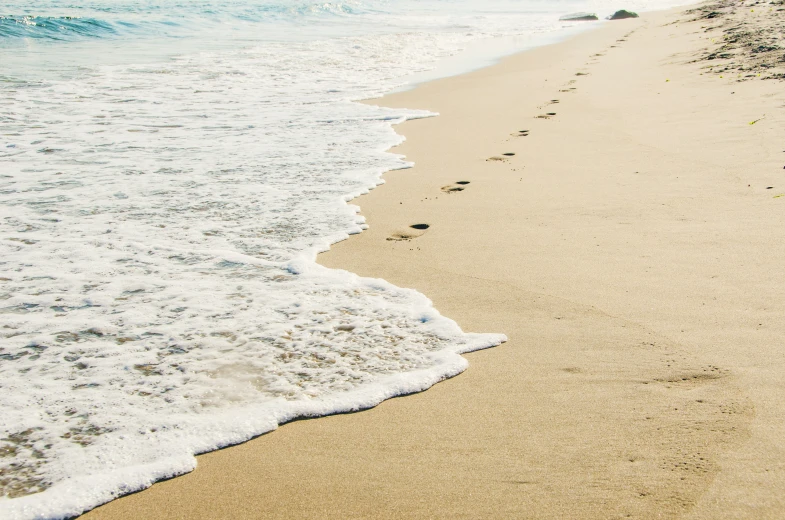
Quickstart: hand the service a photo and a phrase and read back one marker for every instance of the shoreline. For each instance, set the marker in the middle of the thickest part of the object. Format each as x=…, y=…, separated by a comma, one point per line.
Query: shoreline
x=577, y=415
x=483, y=53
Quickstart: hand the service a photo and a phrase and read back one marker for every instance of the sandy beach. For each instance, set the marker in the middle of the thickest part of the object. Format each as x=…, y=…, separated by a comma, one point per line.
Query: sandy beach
x=614, y=207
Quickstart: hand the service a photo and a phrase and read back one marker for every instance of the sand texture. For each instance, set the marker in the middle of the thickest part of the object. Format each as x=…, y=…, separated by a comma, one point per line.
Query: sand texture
x=608, y=203
x=747, y=37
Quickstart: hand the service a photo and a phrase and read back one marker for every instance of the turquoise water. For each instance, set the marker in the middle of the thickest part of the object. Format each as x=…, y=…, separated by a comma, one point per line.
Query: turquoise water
x=168, y=172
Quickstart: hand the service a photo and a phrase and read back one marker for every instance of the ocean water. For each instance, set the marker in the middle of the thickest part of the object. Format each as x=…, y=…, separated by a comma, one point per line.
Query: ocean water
x=169, y=170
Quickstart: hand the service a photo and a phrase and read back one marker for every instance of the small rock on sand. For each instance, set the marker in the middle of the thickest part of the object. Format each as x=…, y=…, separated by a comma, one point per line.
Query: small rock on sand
x=622, y=14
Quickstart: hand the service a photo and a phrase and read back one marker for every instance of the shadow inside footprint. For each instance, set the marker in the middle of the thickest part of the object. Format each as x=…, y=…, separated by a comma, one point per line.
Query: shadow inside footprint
x=508, y=154
x=420, y=226
x=462, y=183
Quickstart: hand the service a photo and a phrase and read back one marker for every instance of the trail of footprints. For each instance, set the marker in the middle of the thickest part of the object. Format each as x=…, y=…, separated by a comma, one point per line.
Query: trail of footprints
x=417, y=230
x=709, y=411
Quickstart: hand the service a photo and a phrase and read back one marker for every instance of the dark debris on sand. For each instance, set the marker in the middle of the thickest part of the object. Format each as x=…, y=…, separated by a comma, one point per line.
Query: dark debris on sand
x=752, y=43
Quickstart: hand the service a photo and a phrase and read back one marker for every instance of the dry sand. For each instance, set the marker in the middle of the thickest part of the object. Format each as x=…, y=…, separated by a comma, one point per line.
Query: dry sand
x=632, y=251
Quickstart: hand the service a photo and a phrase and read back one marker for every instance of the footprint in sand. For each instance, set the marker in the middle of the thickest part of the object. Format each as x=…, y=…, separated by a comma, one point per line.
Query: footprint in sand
x=546, y=115
x=581, y=73
x=694, y=377
x=414, y=231
x=521, y=133
x=453, y=188
x=496, y=158
x=551, y=102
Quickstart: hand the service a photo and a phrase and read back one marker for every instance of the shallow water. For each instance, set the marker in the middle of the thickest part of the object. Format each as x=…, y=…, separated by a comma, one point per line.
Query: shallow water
x=168, y=173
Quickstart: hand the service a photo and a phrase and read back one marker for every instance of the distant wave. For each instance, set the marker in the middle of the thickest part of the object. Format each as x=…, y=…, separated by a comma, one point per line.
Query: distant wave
x=143, y=18
x=54, y=28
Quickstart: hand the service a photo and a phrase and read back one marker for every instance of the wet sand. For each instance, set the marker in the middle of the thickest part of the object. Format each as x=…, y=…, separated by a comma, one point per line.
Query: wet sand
x=632, y=251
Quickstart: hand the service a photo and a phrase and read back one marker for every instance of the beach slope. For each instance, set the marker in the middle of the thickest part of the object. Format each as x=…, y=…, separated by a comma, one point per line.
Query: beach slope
x=617, y=209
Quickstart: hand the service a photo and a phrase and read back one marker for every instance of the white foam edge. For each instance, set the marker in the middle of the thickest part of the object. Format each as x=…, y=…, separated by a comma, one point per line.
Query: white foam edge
x=76, y=496
x=73, y=497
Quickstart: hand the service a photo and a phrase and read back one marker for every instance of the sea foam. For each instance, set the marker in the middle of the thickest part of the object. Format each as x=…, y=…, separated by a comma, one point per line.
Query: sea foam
x=160, y=291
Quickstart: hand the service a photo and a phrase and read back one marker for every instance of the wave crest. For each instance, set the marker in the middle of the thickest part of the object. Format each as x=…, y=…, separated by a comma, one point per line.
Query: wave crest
x=54, y=28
